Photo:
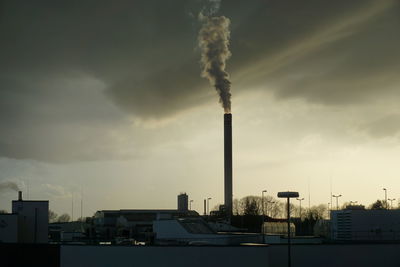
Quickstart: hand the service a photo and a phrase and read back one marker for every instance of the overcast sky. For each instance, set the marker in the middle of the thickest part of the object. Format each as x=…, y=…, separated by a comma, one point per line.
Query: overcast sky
x=106, y=98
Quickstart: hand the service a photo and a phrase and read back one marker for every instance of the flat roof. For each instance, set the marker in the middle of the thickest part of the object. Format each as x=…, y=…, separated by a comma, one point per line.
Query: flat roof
x=141, y=210
x=30, y=201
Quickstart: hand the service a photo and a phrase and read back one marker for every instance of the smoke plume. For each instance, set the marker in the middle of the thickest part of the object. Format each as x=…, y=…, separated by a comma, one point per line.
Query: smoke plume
x=214, y=44
x=8, y=186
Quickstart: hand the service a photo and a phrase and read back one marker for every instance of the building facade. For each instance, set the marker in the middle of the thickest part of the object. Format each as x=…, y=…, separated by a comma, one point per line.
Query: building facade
x=363, y=224
x=183, y=201
x=33, y=220
x=8, y=228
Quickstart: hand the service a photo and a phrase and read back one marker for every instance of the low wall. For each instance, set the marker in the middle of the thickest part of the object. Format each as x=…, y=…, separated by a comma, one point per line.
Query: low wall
x=332, y=255
x=149, y=256
x=29, y=255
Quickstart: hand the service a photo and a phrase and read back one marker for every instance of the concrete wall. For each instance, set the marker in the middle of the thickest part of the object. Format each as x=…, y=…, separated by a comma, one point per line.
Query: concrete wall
x=354, y=255
x=84, y=256
x=334, y=255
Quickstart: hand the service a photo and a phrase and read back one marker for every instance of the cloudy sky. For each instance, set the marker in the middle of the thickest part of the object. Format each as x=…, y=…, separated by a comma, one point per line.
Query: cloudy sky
x=105, y=98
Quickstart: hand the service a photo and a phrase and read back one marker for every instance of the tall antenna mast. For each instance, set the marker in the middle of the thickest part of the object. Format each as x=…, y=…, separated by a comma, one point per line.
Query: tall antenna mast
x=81, y=203
x=27, y=188
x=331, y=192
x=72, y=207
x=309, y=194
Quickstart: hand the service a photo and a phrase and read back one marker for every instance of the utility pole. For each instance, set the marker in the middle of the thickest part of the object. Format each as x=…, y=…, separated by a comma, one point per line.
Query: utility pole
x=263, y=215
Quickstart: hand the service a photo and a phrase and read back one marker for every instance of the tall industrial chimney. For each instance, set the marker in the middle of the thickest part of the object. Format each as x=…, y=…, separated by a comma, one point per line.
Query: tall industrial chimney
x=19, y=195
x=228, y=163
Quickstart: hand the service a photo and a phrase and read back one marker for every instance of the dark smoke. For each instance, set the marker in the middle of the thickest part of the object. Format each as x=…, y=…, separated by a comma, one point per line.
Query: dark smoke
x=8, y=185
x=214, y=44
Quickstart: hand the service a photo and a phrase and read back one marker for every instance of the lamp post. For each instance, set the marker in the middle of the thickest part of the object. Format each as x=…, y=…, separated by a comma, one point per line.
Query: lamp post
x=208, y=205
x=337, y=202
x=263, y=215
x=386, y=205
x=288, y=195
x=391, y=202
x=300, y=199
x=190, y=204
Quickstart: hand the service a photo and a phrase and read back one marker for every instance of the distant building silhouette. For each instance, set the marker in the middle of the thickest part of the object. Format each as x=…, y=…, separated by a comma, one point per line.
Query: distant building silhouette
x=183, y=202
x=357, y=223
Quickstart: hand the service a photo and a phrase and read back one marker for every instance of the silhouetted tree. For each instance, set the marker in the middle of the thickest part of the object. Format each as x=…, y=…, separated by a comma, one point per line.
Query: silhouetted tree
x=64, y=218
x=378, y=205
x=52, y=216
x=251, y=207
x=3, y=211
x=236, y=209
x=317, y=212
x=310, y=216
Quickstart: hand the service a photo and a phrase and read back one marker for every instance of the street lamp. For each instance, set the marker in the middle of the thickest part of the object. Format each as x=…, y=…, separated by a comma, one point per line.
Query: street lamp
x=391, y=202
x=300, y=199
x=208, y=205
x=263, y=215
x=190, y=204
x=288, y=195
x=384, y=189
x=337, y=202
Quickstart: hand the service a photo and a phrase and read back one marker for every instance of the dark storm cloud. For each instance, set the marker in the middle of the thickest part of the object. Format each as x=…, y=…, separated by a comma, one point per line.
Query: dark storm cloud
x=387, y=126
x=358, y=68
x=142, y=55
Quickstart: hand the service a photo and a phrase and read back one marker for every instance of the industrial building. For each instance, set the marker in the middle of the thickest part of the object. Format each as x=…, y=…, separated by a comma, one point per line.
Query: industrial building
x=360, y=224
x=183, y=201
x=8, y=228
x=137, y=224
x=28, y=222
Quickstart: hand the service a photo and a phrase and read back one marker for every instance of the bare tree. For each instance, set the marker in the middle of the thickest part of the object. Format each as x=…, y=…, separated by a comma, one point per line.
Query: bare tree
x=52, y=216
x=316, y=212
x=236, y=208
x=378, y=205
x=64, y=218
x=251, y=206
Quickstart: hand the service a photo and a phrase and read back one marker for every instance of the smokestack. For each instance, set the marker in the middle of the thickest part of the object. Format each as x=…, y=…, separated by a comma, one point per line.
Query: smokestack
x=19, y=195
x=228, y=163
